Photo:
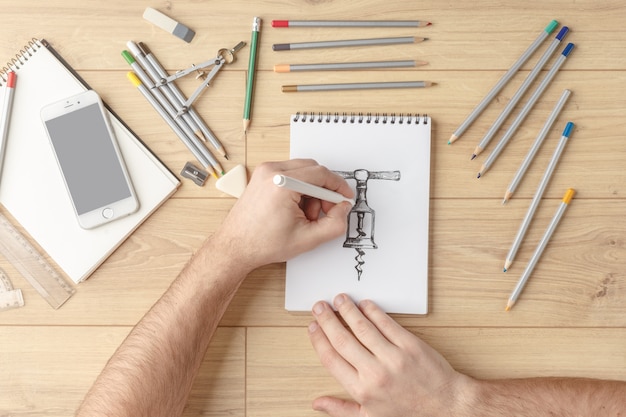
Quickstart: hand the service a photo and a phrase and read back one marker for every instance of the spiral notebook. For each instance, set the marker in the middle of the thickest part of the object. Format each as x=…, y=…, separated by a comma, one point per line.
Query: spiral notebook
x=31, y=187
x=384, y=254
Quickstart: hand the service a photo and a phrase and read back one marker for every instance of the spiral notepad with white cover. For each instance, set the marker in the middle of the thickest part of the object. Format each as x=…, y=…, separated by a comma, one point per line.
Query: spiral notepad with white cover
x=31, y=187
x=384, y=254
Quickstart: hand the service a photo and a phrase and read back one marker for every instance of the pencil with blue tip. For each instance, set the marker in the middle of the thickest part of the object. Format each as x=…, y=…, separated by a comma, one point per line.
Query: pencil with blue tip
x=525, y=110
x=538, y=194
x=520, y=91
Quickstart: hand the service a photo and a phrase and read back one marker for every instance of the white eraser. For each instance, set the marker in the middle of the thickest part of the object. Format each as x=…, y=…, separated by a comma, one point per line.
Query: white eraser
x=234, y=182
x=168, y=24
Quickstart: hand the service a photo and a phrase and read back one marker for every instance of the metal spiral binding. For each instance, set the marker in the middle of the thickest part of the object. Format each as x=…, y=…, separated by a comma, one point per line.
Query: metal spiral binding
x=20, y=59
x=384, y=118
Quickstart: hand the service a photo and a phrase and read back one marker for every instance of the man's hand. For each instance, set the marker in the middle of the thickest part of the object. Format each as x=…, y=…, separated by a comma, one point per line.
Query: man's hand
x=385, y=368
x=272, y=224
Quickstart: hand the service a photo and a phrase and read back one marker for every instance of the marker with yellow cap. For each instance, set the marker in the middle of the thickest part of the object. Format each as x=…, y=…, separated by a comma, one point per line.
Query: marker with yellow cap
x=569, y=194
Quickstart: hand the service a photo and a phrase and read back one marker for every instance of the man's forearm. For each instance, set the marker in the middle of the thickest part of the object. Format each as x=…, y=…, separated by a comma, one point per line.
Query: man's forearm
x=152, y=372
x=537, y=397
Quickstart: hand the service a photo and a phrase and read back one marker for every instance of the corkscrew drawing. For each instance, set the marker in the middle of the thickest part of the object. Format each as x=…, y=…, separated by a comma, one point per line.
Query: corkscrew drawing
x=361, y=219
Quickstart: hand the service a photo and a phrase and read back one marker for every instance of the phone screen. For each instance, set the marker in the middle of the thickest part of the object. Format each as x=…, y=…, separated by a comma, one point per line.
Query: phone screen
x=88, y=160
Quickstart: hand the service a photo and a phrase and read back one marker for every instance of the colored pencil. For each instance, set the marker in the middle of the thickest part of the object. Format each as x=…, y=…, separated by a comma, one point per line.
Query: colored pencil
x=503, y=81
x=346, y=43
x=520, y=92
x=538, y=194
x=525, y=110
x=346, y=66
x=254, y=42
x=356, y=86
x=521, y=283
x=5, y=117
x=517, y=178
x=349, y=23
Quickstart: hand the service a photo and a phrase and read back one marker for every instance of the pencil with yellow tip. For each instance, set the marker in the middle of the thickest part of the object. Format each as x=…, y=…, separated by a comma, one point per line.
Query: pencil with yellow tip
x=569, y=194
x=189, y=142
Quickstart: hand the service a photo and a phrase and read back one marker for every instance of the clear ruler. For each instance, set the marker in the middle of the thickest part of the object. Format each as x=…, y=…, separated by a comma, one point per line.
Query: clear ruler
x=9, y=298
x=33, y=266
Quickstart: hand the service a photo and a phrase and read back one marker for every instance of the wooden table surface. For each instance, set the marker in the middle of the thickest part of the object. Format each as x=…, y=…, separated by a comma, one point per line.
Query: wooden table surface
x=571, y=318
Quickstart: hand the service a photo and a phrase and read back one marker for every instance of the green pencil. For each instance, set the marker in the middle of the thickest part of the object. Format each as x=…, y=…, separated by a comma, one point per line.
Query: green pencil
x=256, y=25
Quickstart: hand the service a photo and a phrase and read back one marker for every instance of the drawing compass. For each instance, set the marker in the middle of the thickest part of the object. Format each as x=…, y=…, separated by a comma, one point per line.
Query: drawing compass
x=224, y=56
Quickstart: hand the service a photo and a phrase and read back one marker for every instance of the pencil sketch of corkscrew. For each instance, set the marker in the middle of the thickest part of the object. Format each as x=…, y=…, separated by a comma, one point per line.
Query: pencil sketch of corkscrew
x=361, y=219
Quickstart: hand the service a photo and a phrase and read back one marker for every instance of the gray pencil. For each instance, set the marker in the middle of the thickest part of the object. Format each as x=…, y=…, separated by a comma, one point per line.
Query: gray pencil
x=169, y=103
x=567, y=198
x=349, y=42
x=538, y=194
x=536, y=145
x=179, y=98
x=355, y=86
x=520, y=92
x=502, y=82
x=139, y=56
x=525, y=110
x=165, y=104
x=349, y=23
x=346, y=66
x=170, y=121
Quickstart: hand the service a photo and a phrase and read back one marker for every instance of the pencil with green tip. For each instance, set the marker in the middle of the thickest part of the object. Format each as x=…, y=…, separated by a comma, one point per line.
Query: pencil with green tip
x=569, y=194
x=503, y=81
x=193, y=148
x=254, y=42
x=520, y=92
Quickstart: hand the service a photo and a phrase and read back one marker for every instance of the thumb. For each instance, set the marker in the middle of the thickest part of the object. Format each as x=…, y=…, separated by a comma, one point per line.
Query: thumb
x=336, y=407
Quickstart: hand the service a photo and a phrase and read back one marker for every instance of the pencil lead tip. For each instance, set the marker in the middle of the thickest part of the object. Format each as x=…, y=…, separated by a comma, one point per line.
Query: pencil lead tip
x=449, y=142
x=478, y=176
x=504, y=201
x=429, y=24
x=473, y=157
x=508, y=308
x=504, y=270
x=425, y=39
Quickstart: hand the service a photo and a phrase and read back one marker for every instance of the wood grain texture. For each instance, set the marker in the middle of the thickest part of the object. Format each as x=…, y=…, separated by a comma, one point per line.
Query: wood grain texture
x=571, y=318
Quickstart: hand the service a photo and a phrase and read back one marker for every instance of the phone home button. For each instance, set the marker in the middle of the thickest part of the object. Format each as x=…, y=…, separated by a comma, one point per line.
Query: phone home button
x=107, y=213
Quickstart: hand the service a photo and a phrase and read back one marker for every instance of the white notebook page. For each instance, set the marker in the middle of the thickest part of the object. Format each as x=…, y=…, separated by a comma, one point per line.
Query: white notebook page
x=395, y=274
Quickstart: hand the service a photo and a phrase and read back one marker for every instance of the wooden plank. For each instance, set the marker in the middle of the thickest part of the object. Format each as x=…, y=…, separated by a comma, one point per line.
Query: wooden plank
x=284, y=374
x=579, y=281
x=462, y=36
x=46, y=371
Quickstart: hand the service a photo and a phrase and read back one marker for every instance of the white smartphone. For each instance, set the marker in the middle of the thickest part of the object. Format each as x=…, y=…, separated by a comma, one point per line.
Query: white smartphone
x=89, y=158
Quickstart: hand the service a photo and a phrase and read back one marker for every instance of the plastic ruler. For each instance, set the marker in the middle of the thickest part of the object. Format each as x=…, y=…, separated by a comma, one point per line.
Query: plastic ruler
x=33, y=266
x=9, y=298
